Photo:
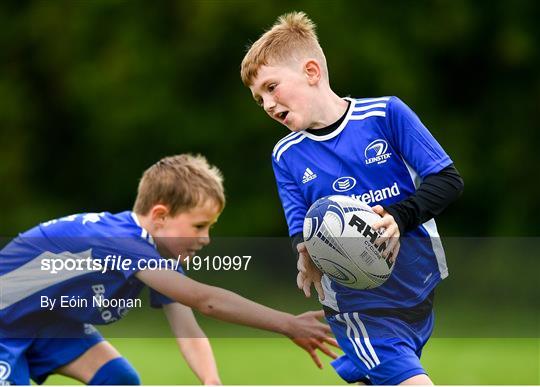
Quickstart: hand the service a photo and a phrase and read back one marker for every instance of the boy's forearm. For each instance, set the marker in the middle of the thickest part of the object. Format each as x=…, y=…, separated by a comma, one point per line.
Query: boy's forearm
x=193, y=343
x=200, y=358
x=216, y=302
x=228, y=306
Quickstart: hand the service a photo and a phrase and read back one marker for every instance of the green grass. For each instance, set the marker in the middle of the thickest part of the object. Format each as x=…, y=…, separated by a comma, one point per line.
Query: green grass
x=277, y=361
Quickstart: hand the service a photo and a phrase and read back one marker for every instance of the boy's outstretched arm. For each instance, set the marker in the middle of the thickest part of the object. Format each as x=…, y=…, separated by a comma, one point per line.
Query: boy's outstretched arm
x=193, y=343
x=305, y=330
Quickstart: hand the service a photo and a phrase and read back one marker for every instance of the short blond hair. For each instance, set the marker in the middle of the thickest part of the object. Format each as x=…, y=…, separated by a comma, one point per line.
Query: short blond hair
x=291, y=37
x=181, y=183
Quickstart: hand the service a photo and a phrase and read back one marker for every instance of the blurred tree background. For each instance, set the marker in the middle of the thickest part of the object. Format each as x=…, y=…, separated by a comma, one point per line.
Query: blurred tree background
x=93, y=92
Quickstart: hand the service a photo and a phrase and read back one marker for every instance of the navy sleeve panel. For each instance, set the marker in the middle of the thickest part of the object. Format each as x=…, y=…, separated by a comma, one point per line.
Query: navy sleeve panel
x=433, y=195
x=295, y=240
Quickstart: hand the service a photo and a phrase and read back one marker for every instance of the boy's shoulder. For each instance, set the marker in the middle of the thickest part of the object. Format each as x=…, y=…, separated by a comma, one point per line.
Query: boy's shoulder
x=284, y=141
x=101, y=233
x=385, y=104
x=117, y=231
x=92, y=228
x=90, y=223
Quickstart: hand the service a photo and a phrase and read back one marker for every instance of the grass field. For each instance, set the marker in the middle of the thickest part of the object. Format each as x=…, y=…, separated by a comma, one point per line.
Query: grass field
x=249, y=356
x=277, y=361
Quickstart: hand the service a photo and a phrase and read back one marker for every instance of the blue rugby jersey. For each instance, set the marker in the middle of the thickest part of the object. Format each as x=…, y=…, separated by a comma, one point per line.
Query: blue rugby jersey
x=379, y=154
x=23, y=280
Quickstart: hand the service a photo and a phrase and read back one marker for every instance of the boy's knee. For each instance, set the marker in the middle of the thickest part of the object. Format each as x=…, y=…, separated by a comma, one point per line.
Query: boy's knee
x=116, y=372
x=420, y=379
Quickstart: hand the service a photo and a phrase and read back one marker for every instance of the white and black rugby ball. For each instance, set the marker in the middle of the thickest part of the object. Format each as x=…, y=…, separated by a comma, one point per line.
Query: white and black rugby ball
x=341, y=242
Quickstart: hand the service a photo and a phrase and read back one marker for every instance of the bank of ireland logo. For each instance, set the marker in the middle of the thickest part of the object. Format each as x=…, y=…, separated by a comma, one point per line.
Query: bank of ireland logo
x=376, y=152
x=5, y=371
x=344, y=183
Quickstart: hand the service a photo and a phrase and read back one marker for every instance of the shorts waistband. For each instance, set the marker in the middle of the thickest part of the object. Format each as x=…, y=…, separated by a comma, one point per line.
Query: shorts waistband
x=413, y=314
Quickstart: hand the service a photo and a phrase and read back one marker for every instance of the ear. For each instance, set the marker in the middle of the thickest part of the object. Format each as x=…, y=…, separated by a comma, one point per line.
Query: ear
x=158, y=213
x=312, y=70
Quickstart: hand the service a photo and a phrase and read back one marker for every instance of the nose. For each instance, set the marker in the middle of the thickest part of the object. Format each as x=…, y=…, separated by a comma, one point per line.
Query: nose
x=269, y=105
x=204, y=240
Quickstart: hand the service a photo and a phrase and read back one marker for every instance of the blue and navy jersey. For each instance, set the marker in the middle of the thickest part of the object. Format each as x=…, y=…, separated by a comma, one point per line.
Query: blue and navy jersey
x=379, y=154
x=26, y=273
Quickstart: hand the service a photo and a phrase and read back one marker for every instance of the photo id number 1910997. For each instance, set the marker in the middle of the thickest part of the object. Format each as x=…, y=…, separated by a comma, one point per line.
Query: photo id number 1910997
x=217, y=263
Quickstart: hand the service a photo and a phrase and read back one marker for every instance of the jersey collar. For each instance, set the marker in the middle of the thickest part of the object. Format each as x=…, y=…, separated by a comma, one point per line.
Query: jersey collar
x=338, y=130
x=144, y=233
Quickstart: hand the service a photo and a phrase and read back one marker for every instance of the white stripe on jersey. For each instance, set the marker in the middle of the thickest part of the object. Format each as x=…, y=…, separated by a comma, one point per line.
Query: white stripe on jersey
x=288, y=145
x=288, y=137
x=135, y=218
x=367, y=107
x=30, y=278
x=329, y=293
x=364, y=360
x=431, y=228
x=416, y=179
x=368, y=114
x=355, y=106
x=369, y=100
x=144, y=233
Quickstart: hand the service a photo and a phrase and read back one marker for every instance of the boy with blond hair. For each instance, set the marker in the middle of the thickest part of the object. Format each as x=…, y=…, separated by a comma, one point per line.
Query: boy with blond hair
x=179, y=198
x=373, y=149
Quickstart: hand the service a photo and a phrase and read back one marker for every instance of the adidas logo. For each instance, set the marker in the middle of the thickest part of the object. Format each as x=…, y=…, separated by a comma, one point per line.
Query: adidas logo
x=308, y=176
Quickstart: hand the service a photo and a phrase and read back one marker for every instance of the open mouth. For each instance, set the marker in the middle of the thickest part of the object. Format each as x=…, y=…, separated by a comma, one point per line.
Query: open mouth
x=194, y=250
x=282, y=115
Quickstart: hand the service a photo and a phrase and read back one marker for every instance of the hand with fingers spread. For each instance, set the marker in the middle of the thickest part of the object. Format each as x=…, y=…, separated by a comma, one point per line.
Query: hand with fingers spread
x=312, y=335
x=391, y=233
x=308, y=273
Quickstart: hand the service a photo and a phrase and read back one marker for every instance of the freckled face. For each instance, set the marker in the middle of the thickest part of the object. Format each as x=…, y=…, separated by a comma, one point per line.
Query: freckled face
x=284, y=93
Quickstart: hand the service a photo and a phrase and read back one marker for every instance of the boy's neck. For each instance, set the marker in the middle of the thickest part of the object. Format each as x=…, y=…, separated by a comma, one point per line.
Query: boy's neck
x=333, y=126
x=330, y=107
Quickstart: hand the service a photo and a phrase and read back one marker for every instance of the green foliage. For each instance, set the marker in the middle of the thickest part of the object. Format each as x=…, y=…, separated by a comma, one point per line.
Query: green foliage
x=92, y=92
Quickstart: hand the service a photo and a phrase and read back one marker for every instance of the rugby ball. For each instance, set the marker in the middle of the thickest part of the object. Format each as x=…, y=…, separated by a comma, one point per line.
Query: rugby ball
x=339, y=237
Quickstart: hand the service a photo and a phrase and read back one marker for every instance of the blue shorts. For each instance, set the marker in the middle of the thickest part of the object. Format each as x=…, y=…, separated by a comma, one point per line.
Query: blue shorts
x=379, y=350
x=39, y=356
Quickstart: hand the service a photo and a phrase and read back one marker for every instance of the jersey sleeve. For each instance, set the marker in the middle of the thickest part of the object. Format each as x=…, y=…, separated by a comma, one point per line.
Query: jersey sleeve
x=414, y=141
x=137, y=254
x=292, y=200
